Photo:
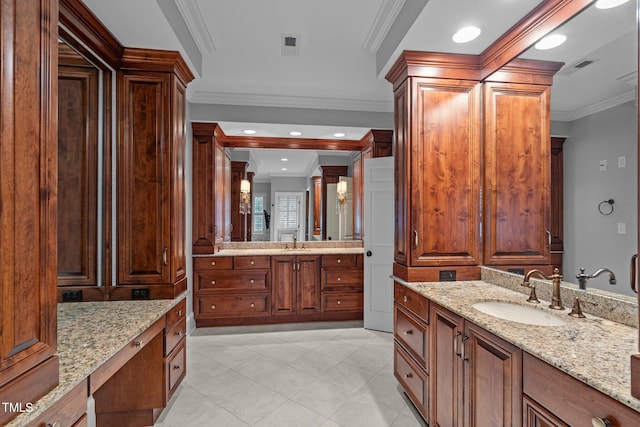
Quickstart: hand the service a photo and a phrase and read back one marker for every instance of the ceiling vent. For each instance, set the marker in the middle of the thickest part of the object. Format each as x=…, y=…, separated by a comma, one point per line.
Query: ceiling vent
x=290, y=44
x=577, y=66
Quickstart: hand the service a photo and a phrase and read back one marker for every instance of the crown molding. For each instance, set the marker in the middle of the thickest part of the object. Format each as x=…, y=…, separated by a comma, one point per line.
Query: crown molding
x=387, y=14
x=614, y=101
x=192, y=15
x=259, y=100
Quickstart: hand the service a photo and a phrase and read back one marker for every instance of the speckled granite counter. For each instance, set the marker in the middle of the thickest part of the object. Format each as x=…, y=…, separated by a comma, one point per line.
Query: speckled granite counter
x=593, y=350
x=89, y=334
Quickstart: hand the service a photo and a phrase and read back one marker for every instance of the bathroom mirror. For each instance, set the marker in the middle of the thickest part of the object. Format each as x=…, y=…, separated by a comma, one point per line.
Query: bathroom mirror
x=594, y=108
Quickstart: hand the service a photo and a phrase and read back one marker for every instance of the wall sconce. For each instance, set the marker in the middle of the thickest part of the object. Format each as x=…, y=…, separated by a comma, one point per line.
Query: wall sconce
x=342, y=193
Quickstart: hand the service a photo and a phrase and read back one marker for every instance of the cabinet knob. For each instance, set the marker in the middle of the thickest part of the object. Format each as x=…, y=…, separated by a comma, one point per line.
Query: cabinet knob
x=140, y=343
x=339, y=261
x=252, y=262
x=213, y=282
x=408, y=332
x=405, y=298
x=252, y=281
x=179, y=312
x=213, y=307
x=339, y=279
x=600, y=422
x=179, y=333
x=252, y=305
x=409, y=375
x=54, y=424
x=176, y=367
x=339, y=302
x=213, y=263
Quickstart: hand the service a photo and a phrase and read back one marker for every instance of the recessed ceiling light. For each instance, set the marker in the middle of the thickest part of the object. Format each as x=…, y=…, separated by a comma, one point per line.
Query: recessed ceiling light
x=466, y=34
x=283, y=169
x=339, y=135
x=249, y=132
x=295, y=133
x=608, y=4
x=549, y=42
x=284, y=159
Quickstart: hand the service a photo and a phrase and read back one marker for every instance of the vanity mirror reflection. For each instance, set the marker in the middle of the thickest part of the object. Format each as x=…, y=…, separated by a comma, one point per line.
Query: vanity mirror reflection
x=594, y=124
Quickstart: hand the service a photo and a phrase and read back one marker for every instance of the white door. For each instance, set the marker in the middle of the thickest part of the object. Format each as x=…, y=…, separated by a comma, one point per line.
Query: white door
x=288, y=216
x=378, y=243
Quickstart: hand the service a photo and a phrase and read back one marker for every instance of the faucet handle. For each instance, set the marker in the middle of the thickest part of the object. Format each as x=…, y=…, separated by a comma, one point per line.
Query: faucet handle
x=576, y=310
x=533, y=298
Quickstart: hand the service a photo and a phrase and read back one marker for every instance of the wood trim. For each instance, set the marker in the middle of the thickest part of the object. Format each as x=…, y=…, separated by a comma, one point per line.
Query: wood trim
x=291, y=143
x=80, y=21
x=432, y=274
x=157, y=60
x=413, y=63
x=527, y=71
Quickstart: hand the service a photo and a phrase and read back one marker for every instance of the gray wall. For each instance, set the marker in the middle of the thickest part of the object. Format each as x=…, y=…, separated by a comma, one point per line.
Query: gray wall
x=591, y=240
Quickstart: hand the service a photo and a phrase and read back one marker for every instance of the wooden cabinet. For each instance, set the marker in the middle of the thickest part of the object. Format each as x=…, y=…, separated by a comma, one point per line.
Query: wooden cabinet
x=317, y=206
x=175, y=332
x=238, y=173
x=558, y=399
x=151, y=186
x=342, y=283
x=296, y=284
x=28, y=200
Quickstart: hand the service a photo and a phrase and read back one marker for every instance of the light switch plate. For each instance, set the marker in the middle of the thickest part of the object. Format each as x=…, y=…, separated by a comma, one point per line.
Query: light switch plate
x=622, y=228
x=622, y=161
x=603, y=165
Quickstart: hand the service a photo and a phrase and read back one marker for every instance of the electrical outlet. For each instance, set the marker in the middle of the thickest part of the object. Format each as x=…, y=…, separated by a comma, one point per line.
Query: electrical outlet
x=603, y=165
x=447, y=275
x=622, y=161
x=622, y=228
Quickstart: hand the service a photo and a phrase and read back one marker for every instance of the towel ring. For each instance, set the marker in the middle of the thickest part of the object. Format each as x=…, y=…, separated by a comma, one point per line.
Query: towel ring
x=606, y=210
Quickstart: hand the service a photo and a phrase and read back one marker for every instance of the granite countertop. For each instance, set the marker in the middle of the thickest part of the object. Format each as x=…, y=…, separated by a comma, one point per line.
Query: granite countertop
x=298, y=251
x=594, y=350
x=89, y=334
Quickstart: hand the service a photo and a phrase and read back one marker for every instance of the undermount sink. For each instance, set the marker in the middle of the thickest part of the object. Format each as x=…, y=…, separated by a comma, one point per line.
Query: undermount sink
x=518, y=313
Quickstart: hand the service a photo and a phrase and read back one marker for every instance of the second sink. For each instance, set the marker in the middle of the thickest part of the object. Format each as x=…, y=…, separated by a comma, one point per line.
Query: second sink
x=518, y=313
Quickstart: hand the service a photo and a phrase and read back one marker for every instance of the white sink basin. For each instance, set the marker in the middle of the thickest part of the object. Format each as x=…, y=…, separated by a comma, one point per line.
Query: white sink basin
x=518, y=313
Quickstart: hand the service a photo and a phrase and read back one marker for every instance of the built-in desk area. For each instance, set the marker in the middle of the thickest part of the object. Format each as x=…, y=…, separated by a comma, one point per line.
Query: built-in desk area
x=128, y=355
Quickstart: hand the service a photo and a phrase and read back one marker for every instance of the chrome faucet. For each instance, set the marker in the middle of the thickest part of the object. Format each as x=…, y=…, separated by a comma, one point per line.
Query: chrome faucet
x=556, y=278
x=295, y=242
x=582, y=277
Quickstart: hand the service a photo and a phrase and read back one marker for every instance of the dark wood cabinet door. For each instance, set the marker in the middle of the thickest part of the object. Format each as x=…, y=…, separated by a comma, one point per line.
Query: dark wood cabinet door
x=446, y=369
x=28, y=201
x=283, y=277
x=537, y=416
x=228, y=225
x=444, y=160
x=203, y=188
x=402, y=173
x=358, y=188
x=238, y=173
x=493, y=380
x=221, y=220
x=308, y=284
x=77, y=174
x=177, y=152
x=317, y=205
x=516, y=192
x=144, y=207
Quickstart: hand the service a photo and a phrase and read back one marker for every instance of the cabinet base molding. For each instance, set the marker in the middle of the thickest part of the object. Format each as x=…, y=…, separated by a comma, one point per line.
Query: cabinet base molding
x=126, y=292
x=436, y=274
x=293, y=318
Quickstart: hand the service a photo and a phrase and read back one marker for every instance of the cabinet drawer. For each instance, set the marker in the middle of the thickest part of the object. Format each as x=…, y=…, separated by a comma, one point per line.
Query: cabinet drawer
x=342, y=301
x=177, y=313
x=339, y=260
x=176, y=368
x=411, y=333
x=251, y=262
x=413, y=379
x=569, y=399
x=213, y=263
x=234, y=305
x=232, y=280
x=342, y=277
x=412, y=301
x=173, y=335
x=68, y=410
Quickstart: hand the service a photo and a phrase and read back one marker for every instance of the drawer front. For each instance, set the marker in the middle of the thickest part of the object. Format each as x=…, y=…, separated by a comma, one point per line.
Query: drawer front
x=342, y=301
x=213, y=263
x=569, y=399
x=176, y=368
x=339, y=260
x=68, y=410
x=233, y=280
x=173, y=335
x=412, y=334
x=177, y=313
x=412, y=301
x=413, y=379
x=234, y=305
x=342, y=277
x=251, y=262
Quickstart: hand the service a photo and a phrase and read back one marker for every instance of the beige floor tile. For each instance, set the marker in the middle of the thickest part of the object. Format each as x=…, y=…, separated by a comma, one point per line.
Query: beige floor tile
x=348, y=376
x=256, y=403
x=288, y=381
x=358, y=412
x=291, y=414
x=323, y=397
x=315, y=364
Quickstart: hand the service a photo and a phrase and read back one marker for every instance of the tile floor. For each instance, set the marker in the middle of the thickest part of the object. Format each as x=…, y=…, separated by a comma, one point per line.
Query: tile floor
x=305, y=375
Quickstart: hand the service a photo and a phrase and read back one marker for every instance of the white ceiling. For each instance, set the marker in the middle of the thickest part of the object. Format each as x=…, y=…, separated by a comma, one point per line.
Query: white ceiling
x=345, y=49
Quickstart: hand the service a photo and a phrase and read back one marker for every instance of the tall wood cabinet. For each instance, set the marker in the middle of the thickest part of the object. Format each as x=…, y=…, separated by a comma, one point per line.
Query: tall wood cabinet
x=28, y=197
x=238, y=173
x=151, y=181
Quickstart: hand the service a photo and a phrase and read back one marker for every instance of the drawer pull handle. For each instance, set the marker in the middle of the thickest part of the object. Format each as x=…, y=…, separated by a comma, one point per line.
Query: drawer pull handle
x=405, y=299
x=213, y=307
x=339, y=279
x=54, y=424
x=339, y=302
x=252, y=281
x=409, y=375
x=213, y=263
x=176, y=367
x=164, y=256
x=140, y=343
x=179, y=312
x=600, y=422
x=339, y=261
x=213, y=282
x=252, y=262
x=252, y=305
x=408, y=332
x=179, y=333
